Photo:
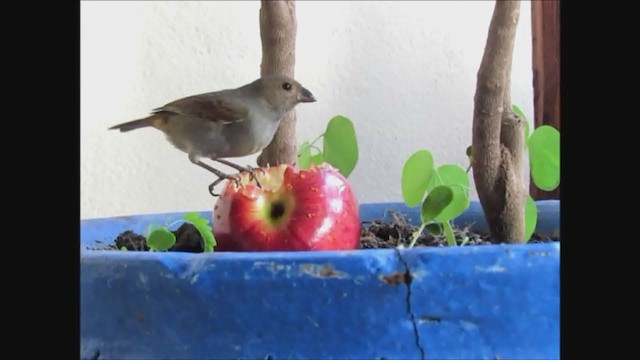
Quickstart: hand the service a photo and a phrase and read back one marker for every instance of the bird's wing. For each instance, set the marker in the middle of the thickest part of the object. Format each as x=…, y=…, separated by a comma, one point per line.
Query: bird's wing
x=207, y=107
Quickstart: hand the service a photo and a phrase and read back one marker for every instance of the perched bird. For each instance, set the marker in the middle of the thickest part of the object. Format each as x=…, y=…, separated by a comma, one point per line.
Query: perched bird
x=228, y=123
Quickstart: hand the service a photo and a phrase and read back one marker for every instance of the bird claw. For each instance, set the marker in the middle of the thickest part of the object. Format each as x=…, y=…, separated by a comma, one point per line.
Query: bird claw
x=235, y=178
x=252, y=174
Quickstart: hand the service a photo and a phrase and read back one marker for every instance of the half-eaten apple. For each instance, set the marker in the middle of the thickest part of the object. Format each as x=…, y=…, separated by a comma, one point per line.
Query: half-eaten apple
x=292, y=210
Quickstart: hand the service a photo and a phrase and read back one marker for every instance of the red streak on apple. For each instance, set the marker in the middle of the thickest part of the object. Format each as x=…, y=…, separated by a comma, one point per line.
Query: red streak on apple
x=295, y=210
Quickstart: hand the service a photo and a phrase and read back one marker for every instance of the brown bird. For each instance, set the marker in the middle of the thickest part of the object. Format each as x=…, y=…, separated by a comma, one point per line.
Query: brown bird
x=226, y=124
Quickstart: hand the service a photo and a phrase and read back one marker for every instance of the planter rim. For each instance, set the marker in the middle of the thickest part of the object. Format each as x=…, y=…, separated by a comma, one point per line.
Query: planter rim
x=548, y=223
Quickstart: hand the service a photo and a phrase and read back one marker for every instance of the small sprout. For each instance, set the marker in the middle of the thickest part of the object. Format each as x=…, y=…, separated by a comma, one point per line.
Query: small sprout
x=161, y=239
x=339, y=149
x=203, y=227
x=124, y=248
x=464, y=241
x=443, y=192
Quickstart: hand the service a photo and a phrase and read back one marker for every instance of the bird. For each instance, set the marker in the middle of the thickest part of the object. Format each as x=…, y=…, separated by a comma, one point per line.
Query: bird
x=227, y=123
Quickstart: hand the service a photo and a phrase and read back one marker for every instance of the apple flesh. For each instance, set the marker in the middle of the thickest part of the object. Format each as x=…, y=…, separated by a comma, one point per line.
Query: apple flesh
x=294, y=210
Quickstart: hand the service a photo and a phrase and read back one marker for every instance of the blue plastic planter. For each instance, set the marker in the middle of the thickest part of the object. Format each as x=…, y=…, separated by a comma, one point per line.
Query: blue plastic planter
x=472, y=302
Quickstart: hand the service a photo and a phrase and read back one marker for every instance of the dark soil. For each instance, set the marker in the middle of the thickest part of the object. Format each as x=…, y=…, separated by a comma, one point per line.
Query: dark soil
x=399, y=232
x=188, y=239
x=374, y=235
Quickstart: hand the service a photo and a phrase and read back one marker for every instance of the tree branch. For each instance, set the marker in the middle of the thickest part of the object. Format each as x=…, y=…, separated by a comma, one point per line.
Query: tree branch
x=498, y=134
x=278, y=29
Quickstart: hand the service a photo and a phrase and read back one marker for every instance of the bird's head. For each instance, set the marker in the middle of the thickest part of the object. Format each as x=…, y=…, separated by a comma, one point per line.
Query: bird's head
x=282, y=93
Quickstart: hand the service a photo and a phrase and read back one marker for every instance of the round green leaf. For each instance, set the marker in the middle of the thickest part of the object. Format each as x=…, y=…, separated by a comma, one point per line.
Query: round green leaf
x=436, y=202
x=530, y=218
x=459, y=203
x=449, y=174
x=434, y=229
x=458, y=180
x=340, y=145
x=416, y=174
x=161, y=239
x=544, y=157
x=304, y=155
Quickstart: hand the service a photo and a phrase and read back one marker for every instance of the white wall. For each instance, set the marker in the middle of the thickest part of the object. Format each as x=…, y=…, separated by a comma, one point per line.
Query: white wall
x=404, y=72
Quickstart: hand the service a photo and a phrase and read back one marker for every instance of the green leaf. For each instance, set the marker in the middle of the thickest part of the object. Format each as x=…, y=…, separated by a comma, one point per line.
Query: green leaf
x=124, y=248
x=544, y=157
x=151, y=228
x=520, y=113
x=161, y=239
x=202, y=225
x=340, y=145
x=530, y=218
x=317, y=159
x=304, y=155
x=436, y=202
x=434, y=229
x=458, y=180
x=469, y=151
x=416, y=174
x=193, y=217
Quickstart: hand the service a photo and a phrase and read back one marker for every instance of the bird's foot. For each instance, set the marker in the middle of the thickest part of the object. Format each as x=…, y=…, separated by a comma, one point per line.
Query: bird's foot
x=252, y=174
x=235, y=178
x=248, y=169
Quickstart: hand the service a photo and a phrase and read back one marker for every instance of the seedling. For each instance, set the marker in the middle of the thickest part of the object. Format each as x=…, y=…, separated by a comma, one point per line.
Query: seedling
x=442, y=191
x=339, y=149
x=160, y=238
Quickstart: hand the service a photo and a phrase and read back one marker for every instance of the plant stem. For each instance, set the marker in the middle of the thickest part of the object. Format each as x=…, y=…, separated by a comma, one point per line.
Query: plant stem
x=448, y=233
x=311, y=144
x=316, y=139
x=416, y=235
x=465, y=241
x=175, y=222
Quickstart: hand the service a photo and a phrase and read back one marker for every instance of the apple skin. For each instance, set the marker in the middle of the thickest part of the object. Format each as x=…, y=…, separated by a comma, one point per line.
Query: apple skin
x=295, y=210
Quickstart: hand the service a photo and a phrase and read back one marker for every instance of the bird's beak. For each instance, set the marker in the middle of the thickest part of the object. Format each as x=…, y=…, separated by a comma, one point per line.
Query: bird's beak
x=306, y=96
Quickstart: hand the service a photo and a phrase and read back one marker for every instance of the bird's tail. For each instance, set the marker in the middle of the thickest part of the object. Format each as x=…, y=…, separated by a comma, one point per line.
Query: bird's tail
x=132, y=125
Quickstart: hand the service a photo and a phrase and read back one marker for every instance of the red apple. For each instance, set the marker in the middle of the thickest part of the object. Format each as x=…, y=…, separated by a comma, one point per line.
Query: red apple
x=295, y=210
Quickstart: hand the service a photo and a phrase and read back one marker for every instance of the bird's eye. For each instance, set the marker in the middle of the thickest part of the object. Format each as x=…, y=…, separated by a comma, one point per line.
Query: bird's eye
x=286, y=86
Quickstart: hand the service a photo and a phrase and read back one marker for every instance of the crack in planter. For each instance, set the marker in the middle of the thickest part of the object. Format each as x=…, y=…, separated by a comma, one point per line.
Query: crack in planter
x=407, y=280
x=95, y=356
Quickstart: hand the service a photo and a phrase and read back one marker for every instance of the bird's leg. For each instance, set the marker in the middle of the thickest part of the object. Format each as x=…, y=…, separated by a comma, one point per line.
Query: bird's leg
x=248, y=169
x=221, y=176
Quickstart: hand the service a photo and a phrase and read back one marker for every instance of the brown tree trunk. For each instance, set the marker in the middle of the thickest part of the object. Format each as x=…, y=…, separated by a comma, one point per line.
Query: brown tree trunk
x=545, y=31
x=498, y=134
x=278, y=34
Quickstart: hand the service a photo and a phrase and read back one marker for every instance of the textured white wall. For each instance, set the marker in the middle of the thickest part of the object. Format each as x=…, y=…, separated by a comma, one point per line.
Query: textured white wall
x=404, y=72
